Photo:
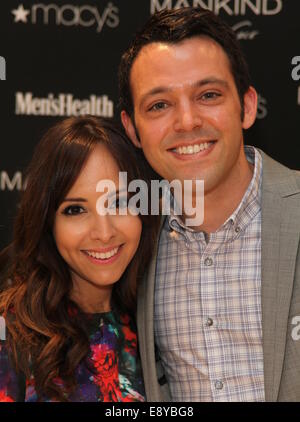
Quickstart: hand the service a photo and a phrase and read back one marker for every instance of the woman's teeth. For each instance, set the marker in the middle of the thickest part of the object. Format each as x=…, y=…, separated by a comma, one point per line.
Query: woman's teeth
x=193, y=149
x=104, y=255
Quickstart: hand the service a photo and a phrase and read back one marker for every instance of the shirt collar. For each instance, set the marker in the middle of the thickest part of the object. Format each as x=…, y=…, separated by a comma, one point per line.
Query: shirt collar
x=247, y=209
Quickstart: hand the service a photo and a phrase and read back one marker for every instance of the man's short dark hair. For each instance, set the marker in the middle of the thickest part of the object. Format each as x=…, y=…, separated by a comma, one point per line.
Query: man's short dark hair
x=174, y=26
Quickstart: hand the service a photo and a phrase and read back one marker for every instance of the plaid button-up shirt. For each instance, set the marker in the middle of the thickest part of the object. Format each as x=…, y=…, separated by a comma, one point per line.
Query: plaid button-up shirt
x=207, y=316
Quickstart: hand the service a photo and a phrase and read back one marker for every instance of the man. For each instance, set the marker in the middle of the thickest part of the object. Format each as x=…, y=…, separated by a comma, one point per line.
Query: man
x=218, y=308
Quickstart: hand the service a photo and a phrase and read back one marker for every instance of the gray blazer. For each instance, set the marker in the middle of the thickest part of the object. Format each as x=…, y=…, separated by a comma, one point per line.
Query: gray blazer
x=280, y=292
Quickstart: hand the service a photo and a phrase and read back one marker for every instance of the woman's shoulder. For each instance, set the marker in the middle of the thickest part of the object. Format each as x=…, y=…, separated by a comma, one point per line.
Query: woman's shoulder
x=4, y=355
x=9, y=382
x=9, y=379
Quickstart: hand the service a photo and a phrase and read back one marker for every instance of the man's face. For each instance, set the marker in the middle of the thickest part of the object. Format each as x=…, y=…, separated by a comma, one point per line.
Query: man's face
x=187, y=111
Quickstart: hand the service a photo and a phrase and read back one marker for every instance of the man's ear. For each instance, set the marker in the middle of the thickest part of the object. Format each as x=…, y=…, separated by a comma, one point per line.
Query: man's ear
x=250, y=107
x=130, y=129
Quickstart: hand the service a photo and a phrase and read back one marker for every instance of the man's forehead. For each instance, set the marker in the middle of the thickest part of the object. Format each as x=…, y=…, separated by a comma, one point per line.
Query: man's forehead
x=161, y=62
x=161, y=47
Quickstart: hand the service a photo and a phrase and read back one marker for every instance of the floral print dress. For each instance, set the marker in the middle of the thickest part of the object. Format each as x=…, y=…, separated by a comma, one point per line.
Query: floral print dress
x=111, y=372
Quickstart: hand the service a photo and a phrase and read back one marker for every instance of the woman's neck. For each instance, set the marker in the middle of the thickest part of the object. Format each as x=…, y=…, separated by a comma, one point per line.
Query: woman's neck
x=91, y=298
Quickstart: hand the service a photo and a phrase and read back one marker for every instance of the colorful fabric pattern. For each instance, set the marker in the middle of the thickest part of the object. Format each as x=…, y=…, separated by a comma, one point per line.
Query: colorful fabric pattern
x=111, y=372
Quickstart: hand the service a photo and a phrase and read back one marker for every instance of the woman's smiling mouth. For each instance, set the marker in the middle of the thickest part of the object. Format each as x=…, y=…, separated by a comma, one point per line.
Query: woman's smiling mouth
x=104, y=256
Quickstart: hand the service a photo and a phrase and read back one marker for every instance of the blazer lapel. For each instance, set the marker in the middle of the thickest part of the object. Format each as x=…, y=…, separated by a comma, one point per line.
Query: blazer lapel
x=146, y=329
x=145, y=321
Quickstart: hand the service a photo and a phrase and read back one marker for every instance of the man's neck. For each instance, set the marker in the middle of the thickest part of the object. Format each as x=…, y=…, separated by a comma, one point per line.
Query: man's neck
x=220, y=203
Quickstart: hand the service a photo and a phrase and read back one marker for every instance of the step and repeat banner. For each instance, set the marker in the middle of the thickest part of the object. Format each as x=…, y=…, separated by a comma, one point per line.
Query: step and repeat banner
x=60, y=58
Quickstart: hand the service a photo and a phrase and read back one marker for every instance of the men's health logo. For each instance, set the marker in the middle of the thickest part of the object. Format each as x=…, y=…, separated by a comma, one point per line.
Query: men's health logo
x=231, y=7
x=2, y=69
x=63, y=105
x=68, y=15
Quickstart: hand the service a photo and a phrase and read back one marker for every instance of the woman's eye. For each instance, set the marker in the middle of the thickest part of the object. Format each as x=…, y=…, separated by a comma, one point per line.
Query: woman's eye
x=73, y=210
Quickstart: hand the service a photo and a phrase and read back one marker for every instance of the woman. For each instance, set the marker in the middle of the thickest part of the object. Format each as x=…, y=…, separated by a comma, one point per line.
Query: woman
x=69, y=298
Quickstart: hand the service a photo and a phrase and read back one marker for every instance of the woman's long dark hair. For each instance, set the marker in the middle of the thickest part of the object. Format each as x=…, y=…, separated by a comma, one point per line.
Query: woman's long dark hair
x=45, y=337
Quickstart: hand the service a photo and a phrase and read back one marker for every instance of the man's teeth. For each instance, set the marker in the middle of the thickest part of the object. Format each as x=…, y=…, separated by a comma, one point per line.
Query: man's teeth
x=193, y=149
x=105, y=255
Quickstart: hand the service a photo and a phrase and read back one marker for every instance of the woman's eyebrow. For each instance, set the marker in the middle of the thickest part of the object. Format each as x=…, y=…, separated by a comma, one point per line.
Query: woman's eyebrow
x=74, y=200
x=115, y=192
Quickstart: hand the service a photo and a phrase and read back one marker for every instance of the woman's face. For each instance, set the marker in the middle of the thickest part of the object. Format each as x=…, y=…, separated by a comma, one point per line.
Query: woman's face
x=97, y=248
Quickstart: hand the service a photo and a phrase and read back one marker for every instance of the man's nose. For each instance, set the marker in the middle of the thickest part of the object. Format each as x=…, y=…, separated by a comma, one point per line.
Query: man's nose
x=187, y=116
x=103, y=228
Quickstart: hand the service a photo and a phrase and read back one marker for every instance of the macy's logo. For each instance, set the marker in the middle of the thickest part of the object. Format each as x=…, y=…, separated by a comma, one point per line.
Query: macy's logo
x=68, y=15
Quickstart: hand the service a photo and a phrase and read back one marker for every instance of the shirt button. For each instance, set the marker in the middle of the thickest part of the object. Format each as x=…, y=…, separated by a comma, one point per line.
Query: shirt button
x=208, y=262
x=209, y=322
x=219, y=385
x=237, y=229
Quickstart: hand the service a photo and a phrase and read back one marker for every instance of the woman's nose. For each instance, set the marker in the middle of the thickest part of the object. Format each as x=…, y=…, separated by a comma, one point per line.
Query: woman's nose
x=103, y=228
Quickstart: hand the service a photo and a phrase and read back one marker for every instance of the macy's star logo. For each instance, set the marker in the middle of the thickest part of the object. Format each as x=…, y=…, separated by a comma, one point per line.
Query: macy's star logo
x=20, y=14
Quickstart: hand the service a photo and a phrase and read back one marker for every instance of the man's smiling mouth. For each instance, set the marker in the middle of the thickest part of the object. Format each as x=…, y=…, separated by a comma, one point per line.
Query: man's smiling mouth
x=190, y=149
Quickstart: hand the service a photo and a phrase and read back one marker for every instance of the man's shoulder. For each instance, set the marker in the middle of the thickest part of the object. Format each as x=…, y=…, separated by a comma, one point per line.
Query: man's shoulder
x=279, y=178
x=280, y=196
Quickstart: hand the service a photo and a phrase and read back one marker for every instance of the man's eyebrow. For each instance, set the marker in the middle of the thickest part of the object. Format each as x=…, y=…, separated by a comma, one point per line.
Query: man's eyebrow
x=154, y=91
x=163, y=89
x=211, y=80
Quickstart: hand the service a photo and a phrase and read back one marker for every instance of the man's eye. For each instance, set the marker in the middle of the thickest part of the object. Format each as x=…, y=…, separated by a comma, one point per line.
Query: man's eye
x=210, y=95
x=73, y=210
x=158, y=106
